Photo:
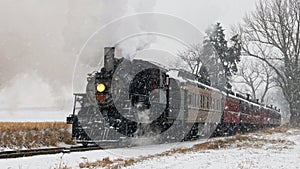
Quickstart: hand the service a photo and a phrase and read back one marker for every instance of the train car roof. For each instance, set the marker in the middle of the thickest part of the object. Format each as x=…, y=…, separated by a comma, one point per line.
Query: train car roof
x=186, y=78
x=253, y=103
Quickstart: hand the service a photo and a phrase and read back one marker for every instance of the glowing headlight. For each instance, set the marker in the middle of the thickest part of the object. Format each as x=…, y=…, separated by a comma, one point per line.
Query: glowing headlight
x=100, y=87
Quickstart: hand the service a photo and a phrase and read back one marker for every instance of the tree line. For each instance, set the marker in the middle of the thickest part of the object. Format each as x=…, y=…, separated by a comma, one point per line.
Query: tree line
x=270, y=34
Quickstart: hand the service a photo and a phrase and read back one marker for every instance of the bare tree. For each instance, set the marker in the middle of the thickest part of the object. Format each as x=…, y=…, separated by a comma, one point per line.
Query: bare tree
x=195, y=56
x=272, y=34
x=201, y=61
x=256, y=77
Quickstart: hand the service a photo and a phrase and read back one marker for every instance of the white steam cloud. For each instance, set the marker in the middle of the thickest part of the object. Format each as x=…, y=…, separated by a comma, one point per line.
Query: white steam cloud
x=40, y=41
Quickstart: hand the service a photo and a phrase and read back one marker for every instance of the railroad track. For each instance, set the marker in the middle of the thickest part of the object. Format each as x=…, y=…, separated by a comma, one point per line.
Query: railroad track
x=44, y=151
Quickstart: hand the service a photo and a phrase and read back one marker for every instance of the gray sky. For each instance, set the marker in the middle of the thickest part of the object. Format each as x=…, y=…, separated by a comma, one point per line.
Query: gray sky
x=42, y=38
x=202, y=13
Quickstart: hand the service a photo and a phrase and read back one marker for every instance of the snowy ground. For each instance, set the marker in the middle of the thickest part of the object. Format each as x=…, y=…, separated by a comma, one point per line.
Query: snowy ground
x=269, y=155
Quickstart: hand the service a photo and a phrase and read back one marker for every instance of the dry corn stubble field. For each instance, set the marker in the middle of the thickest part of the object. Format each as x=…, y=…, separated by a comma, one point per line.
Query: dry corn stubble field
x=29, y=135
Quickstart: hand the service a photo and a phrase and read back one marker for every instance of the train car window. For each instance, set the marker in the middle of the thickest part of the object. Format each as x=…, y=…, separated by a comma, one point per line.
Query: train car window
x=201, y=101
x=192, y=99
x=242, y=107
x=163, y=79
x=195, y=101
x=204, y=102
x=247, y=110
x=216, y=104
x=198, y=99
x=189, y=99
x=207, y=102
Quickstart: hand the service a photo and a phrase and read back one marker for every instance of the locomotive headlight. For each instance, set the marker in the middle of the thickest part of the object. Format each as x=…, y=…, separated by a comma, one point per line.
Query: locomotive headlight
x=100, y=87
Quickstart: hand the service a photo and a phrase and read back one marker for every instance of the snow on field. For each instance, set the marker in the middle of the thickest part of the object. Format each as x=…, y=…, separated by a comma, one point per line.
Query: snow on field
x=279, y=154
x=270, y=156
x=73, y=159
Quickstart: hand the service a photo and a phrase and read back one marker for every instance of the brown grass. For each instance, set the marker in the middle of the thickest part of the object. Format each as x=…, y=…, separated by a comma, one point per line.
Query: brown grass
x=33, y=134
x=279, y=129
x=238, y=141
x=62, y=167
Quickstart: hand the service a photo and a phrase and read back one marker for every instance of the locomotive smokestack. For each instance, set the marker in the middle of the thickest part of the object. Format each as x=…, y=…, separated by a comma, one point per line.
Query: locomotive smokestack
x=109, y=54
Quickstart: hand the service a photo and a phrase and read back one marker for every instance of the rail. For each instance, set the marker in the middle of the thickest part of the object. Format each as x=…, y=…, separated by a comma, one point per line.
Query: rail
x=45, y=151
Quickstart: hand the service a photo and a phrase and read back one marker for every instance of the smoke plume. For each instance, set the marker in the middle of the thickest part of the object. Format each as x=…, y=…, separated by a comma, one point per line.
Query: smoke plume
x=40, y=41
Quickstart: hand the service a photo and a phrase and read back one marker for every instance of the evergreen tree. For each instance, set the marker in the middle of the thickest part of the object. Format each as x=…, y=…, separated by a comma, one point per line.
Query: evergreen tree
x=226, y=57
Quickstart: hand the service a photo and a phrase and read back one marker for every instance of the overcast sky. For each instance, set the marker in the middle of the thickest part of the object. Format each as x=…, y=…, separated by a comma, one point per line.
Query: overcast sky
x=36, y=31
x=42, y=38
x=202, y=13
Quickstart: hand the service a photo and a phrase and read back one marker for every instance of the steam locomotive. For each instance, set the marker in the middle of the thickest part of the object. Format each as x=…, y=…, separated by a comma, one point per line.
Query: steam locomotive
x=138, y=98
